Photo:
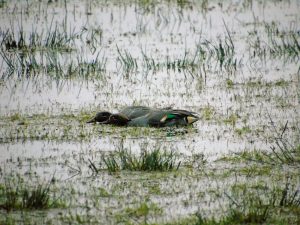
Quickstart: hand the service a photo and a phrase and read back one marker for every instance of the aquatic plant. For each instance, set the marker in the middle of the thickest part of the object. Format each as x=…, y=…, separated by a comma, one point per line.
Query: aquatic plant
x=283, y=150
x=279, y=44
x=254, y=205
x=15, y=197
x=37, y=198
x=149, y=62
x=54, y=38
x=282, y=43
x=155, y=160
x=129, y=64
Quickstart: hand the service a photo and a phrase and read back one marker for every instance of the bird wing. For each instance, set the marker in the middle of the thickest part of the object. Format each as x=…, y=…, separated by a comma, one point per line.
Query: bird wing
x=133, y=112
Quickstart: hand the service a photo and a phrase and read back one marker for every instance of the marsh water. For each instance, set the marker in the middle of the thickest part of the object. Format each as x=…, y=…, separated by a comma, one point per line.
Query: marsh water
x=235, y=63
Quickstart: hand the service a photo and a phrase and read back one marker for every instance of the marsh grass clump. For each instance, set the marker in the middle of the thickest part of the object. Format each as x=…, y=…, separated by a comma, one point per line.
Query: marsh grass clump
x=256, y=206
x=284, y=154
x=234, y=217
x=149, y=63
x=187, y=62
x=225, y=54
x=15, y=117
x=53, y=38
x=280, y=155
x=285, y=46
x=283, y=150
x=9, y=197
x=155, y=160
x=86, y=69
x=283, y=43
x=250, y=208
x=280, y=44
x=37, y=198
x=222, y=52
x=129, y=64
x=290, y=197
x=21, y=197
x=31, y=65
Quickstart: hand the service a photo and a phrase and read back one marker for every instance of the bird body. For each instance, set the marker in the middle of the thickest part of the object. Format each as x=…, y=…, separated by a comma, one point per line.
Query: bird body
x=142, y=116
x=133, y=112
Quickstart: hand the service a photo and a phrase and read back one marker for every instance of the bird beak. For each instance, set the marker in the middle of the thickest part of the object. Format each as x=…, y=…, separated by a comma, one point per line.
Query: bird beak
x=192, y=119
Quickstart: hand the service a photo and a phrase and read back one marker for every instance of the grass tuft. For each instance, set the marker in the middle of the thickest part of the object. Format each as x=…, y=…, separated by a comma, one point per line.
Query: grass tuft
x=155, y=160
x=21, y=197
x=129, y=64
x=283, y=151
x=37, y=198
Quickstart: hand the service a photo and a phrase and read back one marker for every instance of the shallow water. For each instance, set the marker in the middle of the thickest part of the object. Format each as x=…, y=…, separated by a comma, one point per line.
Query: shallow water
x=43, y=111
